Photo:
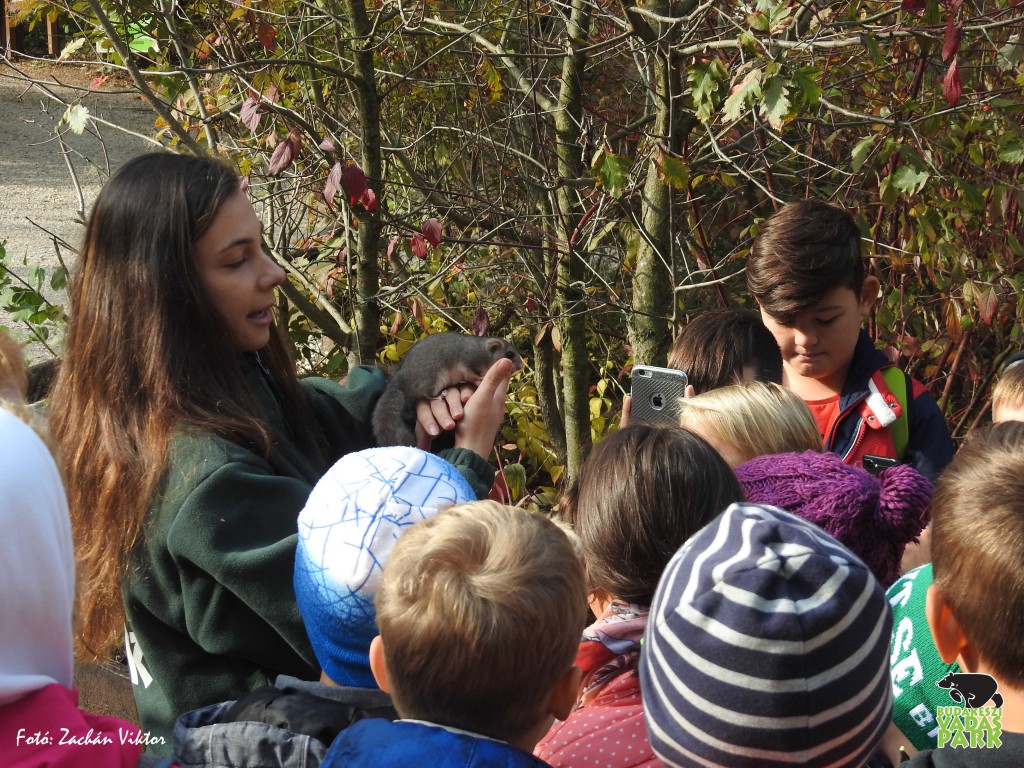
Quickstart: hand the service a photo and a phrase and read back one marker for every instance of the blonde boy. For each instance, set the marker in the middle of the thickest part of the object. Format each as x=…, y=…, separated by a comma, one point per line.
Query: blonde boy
x=1008, y=394
x=975, y=606
x=807, y=275
x=480, y=610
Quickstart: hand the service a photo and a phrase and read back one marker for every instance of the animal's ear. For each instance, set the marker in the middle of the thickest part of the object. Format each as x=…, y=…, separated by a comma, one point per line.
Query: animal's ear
x=949, y=637
x=494, y=346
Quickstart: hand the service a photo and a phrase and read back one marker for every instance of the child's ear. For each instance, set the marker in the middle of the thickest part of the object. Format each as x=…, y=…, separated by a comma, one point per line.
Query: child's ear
x=377, y=667
x=950, y=641
x=869, y=293
x=563, y=697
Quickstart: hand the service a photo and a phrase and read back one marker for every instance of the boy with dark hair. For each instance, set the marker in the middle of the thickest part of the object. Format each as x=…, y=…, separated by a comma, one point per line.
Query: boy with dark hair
x=726, y=346
x=975, y=606
x=807, y=275
x=480, y=610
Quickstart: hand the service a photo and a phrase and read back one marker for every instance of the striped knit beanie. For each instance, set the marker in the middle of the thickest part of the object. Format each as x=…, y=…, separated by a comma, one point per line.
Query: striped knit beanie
x=347, y=529
x=768, y=645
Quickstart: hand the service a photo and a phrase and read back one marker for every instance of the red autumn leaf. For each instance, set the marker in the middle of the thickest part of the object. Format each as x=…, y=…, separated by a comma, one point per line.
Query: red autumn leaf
x=332, y=185
x=952, y=88
x=266, y=33
x=98, y=82
x=250, y=114
x=332, y=280
x=369, y=200
x=912, y=6
x=396, y=326
x=481, y=322
x=285, y=153
x=530, y=305
x=988, y=303
x=392, y=245
x=243, y=183
x=431, y=229
x=327, y=146
x=353, y=181
x=953, y=33
x=419, y=246
x=272, y=94
x=499, y=491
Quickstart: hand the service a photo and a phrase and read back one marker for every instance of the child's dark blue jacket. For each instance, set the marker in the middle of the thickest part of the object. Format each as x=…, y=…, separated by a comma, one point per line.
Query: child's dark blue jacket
x=383, y=744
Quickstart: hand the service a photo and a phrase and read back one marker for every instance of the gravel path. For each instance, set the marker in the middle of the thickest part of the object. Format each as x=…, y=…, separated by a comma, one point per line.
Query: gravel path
x=39, y=204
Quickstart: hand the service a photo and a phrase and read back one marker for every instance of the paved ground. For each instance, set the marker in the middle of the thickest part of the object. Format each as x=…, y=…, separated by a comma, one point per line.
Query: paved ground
x=39, y=204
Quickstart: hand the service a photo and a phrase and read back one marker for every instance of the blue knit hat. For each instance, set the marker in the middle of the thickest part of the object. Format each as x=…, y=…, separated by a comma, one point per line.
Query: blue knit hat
x=346, y=531
x=767, y=645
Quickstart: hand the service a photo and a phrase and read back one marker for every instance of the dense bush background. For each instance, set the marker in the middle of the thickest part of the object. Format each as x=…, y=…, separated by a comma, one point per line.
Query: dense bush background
x=584, y=176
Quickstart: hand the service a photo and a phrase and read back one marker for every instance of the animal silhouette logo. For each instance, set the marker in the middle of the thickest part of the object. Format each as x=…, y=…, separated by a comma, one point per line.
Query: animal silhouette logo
x=972, y=689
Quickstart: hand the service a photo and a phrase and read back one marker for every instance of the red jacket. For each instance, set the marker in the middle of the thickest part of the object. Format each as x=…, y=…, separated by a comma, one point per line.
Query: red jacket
x=606, y=728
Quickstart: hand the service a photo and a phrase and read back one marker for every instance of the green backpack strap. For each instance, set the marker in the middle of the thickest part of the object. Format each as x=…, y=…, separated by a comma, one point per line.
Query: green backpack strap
x=896, y=381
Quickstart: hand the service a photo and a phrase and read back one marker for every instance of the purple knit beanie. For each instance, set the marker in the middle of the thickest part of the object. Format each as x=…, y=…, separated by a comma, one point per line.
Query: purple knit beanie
x=876, y=517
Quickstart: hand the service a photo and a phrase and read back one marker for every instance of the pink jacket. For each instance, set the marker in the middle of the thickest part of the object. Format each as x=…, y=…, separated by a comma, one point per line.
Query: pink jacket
x=45, y=729
x=606, y=728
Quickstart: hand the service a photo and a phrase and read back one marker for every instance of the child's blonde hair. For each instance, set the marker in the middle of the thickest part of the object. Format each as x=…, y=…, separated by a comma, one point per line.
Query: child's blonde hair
x=1008, y=393
x=480, y=611
x=754, y=417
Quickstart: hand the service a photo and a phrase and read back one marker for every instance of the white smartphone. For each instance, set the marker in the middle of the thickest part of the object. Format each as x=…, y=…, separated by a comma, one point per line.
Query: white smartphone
x=656, y=393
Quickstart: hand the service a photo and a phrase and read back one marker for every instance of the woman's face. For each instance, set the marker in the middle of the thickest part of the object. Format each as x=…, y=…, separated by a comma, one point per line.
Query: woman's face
x=238, y=276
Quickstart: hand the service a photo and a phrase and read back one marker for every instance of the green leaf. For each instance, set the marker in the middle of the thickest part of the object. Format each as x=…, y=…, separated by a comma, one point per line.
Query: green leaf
x=77, y=117
x=705, y=82
x=611, y=171
x=775, y=102
x=1010, y=55
x=1011, y=152
x=673, y=171
x=515, y=480
x=806, y=83
x=71, y=48
x=861, y=151
x=748, y=89
x=909, y=180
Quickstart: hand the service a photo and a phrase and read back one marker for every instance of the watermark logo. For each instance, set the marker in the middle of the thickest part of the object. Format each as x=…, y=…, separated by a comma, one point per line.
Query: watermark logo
x=970, y=725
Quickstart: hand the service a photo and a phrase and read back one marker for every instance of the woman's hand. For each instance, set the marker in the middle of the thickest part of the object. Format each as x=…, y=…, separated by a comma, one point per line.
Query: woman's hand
x=475, y=415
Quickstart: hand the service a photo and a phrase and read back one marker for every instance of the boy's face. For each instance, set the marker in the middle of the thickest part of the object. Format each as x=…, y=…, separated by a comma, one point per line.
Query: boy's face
x=819, y=343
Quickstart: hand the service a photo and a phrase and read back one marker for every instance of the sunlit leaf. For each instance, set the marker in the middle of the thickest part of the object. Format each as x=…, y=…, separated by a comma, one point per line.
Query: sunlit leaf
x=71, y=48
x=952, y=88
x=77, y=117
x=672, y=170
x=775, y=102
x=746, y=90
x=988, y=303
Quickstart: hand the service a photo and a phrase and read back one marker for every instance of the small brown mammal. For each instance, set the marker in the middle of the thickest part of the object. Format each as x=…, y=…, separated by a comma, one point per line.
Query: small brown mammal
x=431, y=365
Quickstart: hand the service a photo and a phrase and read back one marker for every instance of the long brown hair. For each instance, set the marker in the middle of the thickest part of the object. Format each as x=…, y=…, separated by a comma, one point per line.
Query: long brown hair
x=146, y=353
x=643, y=491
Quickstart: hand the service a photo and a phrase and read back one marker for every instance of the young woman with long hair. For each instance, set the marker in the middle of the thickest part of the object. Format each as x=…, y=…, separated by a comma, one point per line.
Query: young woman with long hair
x=190, y=445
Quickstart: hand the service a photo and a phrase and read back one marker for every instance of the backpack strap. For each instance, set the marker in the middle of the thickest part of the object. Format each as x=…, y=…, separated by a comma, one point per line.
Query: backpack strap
x=897, y=382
